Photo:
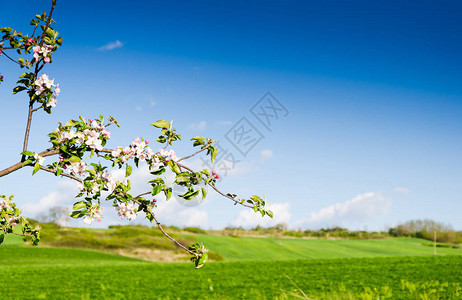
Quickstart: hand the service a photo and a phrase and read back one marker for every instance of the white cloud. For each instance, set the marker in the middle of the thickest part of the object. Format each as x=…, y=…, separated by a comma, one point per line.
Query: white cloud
x=198, y=126
x=361, y=208
x=152, y=102
x=265, y=154
x=249, y=219
x=64, y=195
x=111, y=46
x=138, y=108
x=401, y=190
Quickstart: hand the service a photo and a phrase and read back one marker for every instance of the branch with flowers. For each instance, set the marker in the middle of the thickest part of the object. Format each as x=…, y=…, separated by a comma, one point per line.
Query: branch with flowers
x=79, y=150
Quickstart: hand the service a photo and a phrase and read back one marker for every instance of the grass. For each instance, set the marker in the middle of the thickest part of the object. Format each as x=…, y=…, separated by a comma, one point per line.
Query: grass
x=53, y=273
x=254, y=268
x=248, y=248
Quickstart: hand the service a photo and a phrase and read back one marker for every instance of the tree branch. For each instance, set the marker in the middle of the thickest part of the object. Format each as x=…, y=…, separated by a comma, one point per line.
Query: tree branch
x=162, y=229
x=3, y=52
x=216, y=189
x=22, y=234
x=19, y=165
x=37, y=69
x=26, y=135
x=35, y=109
x=197, y=152
x=62, y=174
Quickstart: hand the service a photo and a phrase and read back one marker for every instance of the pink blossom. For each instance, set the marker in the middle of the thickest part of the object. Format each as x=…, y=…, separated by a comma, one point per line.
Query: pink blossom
x=94, y=213
x=126, y=210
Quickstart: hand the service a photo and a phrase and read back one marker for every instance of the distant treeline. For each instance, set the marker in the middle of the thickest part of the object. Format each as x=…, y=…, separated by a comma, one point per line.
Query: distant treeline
x=425, y=229
x=281, y=230
x=428, y=229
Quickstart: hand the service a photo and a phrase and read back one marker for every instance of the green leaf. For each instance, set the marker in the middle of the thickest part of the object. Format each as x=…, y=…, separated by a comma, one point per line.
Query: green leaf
x=269, y=213
x=190, y=194
x=161, y=124
x=27, y=162
x=78, y=214
x=213, y=151
x=174, y=167
x=204, y=193
x=128, y=170
x=79, y=205
x=2, y=237
x=71, y=123
x=74, y=158
x=18, y=89
x=28, y=153
x=181, y=178
x=156, y=189
x=161, y=139
x=159, y=171
x=256, y=199
x=36, y=168
x=168, y=193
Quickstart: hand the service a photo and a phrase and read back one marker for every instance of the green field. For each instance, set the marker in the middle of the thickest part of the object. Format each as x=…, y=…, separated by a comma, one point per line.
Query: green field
x=247, y=248
x=256, y=268
x=53, y=273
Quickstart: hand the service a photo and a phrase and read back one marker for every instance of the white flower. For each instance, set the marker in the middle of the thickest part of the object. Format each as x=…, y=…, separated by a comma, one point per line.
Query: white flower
x=77, y=168
x=126, y=210
x=39, y=158
x=95, y=212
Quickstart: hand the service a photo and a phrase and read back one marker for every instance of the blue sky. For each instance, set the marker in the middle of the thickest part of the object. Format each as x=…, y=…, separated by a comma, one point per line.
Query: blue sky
x=373, y=91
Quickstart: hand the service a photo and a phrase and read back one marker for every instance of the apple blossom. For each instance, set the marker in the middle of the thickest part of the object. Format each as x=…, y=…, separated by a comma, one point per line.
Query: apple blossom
x=126, y=210
x=94, y=213
x=39, y=158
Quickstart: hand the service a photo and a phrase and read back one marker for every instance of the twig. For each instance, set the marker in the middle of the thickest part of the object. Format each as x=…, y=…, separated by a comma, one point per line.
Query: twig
x=62, y=174
x=197, y=152
x=22, y=234
x=217, y=190
x=19, y=165
x=35, y=109
x=37, y=70
x=10, y=57
x=162, y=229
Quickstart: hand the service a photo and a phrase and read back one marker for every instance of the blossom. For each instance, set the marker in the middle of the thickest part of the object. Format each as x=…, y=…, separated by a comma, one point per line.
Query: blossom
x=116, y=153
x=52, y=102
x=42, y=51
x=111, y=182
x=126, y=210
x=43, y=85
x=168, y=155
x=94, y=213
x=76, y=167
x=39, y=158
x=94, y=143
x=4, y=204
